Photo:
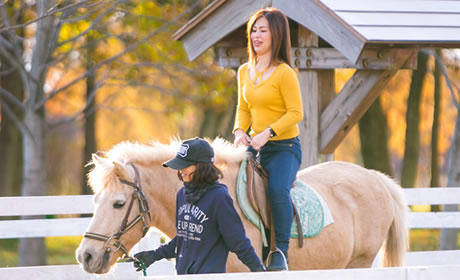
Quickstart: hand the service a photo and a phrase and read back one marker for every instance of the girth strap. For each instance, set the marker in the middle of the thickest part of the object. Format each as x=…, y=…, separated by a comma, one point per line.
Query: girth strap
x=252, y=167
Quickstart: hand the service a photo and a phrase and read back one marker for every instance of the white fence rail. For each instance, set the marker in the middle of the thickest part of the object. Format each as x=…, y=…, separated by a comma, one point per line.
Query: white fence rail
x=42, y=227
x=449, y=272
x=82, y=204
x=438, y=220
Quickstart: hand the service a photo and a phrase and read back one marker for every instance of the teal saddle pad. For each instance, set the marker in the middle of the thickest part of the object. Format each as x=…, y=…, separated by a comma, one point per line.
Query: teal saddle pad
x=306, y=200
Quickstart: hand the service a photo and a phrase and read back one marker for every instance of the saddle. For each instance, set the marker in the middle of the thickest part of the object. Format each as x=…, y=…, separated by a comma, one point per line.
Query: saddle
x=258, y=198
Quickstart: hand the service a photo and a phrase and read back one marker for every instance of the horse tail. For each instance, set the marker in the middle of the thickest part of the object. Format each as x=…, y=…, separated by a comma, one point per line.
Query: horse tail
x=396, y=243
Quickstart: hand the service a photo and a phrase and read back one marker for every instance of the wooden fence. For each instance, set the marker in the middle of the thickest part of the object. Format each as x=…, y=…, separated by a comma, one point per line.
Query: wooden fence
x=82, y=204
x=435, y=220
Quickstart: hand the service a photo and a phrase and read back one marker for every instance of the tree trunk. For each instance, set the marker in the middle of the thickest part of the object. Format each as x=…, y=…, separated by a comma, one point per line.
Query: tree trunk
x=10, y=137
x=227, y=126
x=32, y=251
x=373, y=136
x=435, y=173
x=449, y=236
x=90, y=121
x=212, y=121
x=412, y=142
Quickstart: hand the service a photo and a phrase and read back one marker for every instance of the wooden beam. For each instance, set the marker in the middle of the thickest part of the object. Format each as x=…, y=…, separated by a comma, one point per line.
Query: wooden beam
x=326, y=90
x=197, y=19
x=324, y=58
x=317, y=17
x=222, y=21
x=352, y=102
x=309, y=87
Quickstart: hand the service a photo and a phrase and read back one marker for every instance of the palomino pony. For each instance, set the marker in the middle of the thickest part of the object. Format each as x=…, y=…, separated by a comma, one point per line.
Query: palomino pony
x=368, y=208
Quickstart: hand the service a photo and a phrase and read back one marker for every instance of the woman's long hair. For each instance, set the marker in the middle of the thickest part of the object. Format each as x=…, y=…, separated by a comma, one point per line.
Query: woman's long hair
x=279, y=29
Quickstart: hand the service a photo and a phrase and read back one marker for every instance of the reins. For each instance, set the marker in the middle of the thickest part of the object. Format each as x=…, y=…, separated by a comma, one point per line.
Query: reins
x=113, y=242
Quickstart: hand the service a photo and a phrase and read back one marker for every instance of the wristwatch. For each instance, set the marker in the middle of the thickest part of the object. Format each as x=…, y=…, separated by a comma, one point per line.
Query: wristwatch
x=272, y=132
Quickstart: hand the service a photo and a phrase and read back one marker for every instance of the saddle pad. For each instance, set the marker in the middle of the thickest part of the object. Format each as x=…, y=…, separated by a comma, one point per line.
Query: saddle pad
x=243, y=200
x=313, y=210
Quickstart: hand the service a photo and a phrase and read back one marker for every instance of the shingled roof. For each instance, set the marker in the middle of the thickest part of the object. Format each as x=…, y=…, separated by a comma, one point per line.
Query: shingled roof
x=349, y=26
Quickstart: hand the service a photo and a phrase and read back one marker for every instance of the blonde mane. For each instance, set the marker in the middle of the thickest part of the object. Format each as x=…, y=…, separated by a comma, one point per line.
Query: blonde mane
x=155, y=153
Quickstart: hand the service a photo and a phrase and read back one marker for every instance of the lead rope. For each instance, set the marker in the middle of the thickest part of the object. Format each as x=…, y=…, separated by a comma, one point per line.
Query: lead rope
x=134, y=259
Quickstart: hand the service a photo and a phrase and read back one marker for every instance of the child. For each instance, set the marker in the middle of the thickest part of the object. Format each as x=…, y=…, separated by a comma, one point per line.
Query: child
x=208, y=226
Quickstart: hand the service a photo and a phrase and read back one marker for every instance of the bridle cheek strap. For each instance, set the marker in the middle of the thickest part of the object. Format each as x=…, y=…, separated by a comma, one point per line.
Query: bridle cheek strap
x=112, y=242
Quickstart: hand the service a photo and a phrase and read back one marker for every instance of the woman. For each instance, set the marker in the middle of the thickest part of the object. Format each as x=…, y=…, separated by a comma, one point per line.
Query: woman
x=208, y=226
x=269, y=101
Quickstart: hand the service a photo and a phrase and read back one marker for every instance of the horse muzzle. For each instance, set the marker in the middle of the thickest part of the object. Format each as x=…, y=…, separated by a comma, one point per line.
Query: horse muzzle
x=93, y=261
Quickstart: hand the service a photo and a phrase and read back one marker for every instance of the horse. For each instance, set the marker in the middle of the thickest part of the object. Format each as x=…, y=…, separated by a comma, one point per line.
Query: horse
x=368, y=208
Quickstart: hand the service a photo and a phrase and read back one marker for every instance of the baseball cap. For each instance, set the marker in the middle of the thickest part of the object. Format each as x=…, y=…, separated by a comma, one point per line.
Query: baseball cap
x=191, y=151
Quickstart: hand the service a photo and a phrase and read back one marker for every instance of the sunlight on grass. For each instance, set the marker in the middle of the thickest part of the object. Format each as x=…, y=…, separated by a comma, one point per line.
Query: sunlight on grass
x=8, y=255
x=61, y=250
x=424, y=239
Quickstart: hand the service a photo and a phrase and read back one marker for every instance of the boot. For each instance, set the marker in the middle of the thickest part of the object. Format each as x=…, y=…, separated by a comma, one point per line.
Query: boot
x=278, y=260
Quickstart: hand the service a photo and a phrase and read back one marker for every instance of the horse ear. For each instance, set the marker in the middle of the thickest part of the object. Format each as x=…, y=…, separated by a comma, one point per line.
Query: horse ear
x=102, y=154
x=99, y=158
x=120, y=171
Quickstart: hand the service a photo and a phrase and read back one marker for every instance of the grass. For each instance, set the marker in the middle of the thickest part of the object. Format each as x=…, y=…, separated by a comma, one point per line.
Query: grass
x=60, y=250
x=424, y=239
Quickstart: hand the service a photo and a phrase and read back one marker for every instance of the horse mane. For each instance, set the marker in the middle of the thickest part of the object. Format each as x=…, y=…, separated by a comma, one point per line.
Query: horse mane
x=155, y=153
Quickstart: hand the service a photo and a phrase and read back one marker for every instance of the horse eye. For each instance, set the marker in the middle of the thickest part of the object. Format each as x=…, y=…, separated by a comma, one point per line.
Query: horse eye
x=118, y=204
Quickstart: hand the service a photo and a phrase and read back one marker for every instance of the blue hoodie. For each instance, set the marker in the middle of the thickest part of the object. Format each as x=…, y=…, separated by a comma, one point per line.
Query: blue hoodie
x=206, y=232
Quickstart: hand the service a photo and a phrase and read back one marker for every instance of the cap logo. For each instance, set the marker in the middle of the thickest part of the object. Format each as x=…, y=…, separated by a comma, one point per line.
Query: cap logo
x=183, y=150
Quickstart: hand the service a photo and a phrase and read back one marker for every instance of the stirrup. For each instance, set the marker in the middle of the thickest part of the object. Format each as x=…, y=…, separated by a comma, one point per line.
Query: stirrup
x=268, y=261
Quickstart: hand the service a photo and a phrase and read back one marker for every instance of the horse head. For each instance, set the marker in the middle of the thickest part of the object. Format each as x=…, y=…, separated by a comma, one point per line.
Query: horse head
x=120, y=218
x=116, y=226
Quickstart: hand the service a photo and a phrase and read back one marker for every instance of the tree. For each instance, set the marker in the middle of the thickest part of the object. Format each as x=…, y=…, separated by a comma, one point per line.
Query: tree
x=131, y=59
x=449, y=237
x=10, y=136
x=435, y=172
x=373, y=136
x=412, y=142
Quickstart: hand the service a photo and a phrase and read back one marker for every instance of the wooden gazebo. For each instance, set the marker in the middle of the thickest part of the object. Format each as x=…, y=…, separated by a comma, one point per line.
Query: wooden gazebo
x=377, y=38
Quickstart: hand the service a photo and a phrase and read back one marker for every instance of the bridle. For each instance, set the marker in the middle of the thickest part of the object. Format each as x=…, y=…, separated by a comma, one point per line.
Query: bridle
x=112, y=242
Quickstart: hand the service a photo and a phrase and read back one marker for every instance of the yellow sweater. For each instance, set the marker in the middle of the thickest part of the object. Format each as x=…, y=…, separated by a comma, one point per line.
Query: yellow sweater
x=275, y=102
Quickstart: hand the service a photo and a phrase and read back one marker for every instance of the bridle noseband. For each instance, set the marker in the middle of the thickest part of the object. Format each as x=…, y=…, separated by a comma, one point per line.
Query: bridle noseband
x=112, y=242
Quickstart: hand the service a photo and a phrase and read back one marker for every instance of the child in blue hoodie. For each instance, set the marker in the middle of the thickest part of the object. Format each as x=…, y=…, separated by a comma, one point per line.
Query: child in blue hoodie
x=207, y=224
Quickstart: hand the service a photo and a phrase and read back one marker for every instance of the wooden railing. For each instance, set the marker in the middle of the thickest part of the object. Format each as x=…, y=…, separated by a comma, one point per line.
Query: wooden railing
x=436, y=220
x=82, y=204
x=75, y=226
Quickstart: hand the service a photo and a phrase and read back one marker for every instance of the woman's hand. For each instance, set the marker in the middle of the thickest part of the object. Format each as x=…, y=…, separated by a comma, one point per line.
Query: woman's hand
x=260, y=139
x=241, y=138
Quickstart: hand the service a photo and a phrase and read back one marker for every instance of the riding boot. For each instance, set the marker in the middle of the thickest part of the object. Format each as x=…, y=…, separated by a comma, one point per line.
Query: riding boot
x=278, y=261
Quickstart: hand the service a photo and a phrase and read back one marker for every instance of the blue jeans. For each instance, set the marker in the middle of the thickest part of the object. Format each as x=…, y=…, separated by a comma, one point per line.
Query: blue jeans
x=282, y=160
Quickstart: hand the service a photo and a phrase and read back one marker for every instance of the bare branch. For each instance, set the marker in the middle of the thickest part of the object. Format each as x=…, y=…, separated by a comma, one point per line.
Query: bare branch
x=52, y=11
x=3, y=3
x=13, y=99
x=21, y=126
x=442, y=67
x=113, y=58
x=87, y=14
x=93, y=23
